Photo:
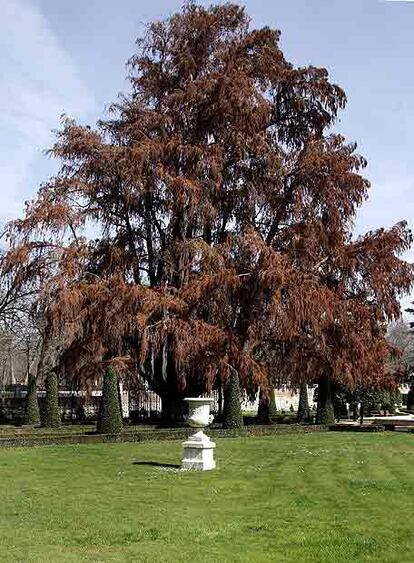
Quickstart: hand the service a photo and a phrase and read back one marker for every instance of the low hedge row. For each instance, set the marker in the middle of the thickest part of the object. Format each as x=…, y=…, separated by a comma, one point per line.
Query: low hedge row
x=354, y=428
x=153, y=435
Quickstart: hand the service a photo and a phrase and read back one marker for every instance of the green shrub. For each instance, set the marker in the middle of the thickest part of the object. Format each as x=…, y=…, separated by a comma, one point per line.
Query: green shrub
x=51, y=417
x=32, y=415
x=110, y=417
x=232, y=413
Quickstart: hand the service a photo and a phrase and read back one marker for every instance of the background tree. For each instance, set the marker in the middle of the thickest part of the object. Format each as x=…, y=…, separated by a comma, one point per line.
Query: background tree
x=20, y=333
x=223, y=205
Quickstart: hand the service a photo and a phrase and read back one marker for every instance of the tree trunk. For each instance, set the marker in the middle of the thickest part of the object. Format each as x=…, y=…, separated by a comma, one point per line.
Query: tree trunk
x=354, y=409
x=361, y=413
x=220, y=402
x=325, y=410
x=267, y=407
x=410, y=398
x=173, y=409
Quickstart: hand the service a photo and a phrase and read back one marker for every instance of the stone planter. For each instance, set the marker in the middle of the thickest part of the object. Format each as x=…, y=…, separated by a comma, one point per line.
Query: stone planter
x=199, y=449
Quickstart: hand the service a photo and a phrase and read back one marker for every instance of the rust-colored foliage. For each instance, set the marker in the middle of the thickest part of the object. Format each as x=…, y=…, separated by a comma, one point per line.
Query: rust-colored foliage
x=221, y=207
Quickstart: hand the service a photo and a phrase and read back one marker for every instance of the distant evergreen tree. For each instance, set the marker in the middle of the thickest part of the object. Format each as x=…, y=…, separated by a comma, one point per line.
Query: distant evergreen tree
x=371, y=401
x=325, y=411
x=32, y=415
x=232, y=413
x=303, y=407
x=51, y=417
x=110, y=417
x=387, y=403
x=375, y=400
x=266, y=410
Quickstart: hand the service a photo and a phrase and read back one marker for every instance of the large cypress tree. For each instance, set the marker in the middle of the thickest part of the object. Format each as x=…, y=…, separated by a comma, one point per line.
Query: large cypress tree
x=110, y=416
x=32, y=415
x=223, y=202
x=232, y=413
x=303, y=407
x=51, y=416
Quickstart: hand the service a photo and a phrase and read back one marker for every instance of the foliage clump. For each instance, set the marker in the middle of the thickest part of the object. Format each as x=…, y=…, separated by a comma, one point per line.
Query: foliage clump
x=110, y=416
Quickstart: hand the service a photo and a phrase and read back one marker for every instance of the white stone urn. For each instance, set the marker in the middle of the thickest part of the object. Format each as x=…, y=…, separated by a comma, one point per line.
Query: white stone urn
x=199, y=411
x=199, y=449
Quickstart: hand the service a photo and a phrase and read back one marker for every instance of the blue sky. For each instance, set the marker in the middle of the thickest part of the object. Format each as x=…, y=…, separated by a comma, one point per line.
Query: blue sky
x=69, y=57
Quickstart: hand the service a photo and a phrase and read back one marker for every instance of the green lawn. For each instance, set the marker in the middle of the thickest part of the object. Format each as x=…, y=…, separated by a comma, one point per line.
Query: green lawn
x=326, y=497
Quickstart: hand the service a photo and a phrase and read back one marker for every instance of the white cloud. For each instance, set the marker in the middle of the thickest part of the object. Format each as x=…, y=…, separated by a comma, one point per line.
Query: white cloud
x=39, y=83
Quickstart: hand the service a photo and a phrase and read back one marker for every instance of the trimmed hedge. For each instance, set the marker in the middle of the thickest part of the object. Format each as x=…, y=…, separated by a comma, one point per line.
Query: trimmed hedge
x=51, y=416
x=303, y=414
x=232, y=413
x=155, y=435
x=32, y=414
x=110, y=416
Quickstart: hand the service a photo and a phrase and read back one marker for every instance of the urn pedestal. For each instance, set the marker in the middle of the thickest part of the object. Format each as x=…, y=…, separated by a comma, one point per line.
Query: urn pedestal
x=199, y=449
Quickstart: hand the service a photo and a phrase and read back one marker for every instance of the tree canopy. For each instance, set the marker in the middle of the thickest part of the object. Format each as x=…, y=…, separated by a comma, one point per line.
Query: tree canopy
x=221, y=207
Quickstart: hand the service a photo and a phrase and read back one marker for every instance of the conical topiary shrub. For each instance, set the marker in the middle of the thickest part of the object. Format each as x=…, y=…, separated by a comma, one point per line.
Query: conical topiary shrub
x=325, y=411
x=110, y=417
x=51, y=416
x=32, y=415
x=266, y=411
x=303, y=407
x=232, y=414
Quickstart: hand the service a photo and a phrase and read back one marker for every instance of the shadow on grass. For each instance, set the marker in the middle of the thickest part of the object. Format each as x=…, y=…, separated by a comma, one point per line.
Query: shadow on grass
x=157, y=464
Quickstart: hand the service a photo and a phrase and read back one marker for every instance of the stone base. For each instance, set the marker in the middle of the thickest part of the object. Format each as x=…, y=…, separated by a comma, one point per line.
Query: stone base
x=198, y=453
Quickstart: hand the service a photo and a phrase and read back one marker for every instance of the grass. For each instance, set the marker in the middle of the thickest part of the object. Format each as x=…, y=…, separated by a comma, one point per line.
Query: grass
x=325, y=497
